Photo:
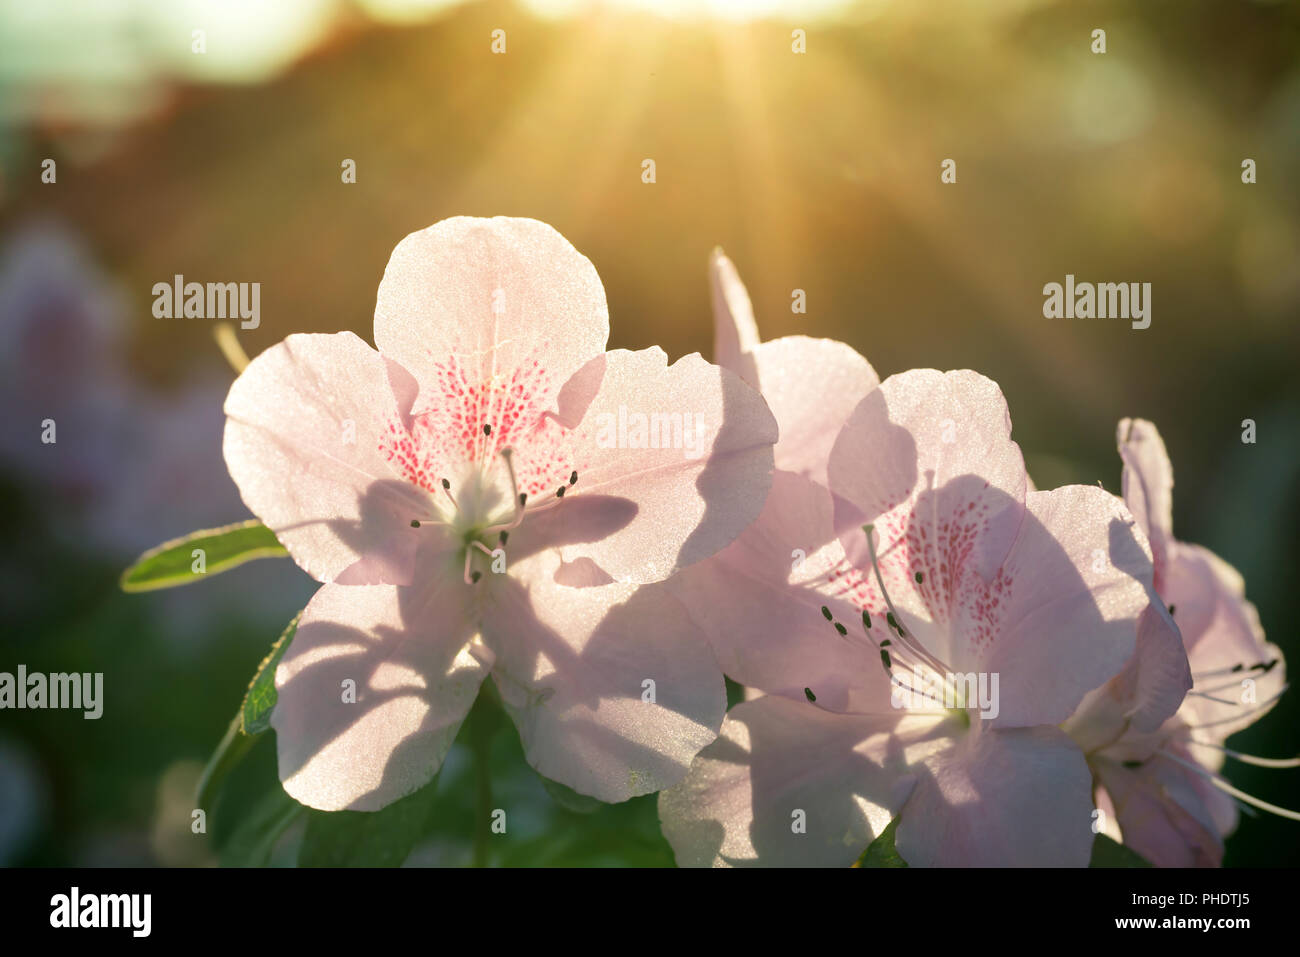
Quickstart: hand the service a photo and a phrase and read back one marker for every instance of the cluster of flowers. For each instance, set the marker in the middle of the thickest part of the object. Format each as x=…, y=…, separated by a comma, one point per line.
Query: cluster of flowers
x=840, y=539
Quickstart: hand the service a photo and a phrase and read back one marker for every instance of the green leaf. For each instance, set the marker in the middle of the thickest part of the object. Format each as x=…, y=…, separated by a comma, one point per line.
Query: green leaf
x=881, y=852
x=367, y=838
x=1109, y=853
x=171, y=563
x=255, y=713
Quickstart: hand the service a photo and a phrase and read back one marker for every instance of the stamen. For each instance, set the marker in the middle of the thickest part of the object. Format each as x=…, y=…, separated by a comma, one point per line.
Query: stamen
x=573, y=479
x=503, y=537
x=487, y=429
x=1237, y=717
x=520, y=497
x=1245, y=808
x=1262, y=666
x=421, y=522
x=1209, y=697
x=1219, y=782
x=871, y=547
x=892, y=617
x=1206, y=692
x=1249, y=758
x=809, y=695
x=1234, y=669
x=887, y=661
x=559, y=493
x=942, y=708
x=446, y=488
x=885, y=658
x=919, y=578
x=472, y=579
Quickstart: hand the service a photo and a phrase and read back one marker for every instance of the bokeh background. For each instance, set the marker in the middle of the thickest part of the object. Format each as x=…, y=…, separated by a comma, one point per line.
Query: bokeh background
x=817, y=172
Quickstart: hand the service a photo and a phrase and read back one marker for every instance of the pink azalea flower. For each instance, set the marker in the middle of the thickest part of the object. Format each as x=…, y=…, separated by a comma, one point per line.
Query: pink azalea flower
x=452, y=488
x=1155, y=734
x=811, y=385
x=965, y=573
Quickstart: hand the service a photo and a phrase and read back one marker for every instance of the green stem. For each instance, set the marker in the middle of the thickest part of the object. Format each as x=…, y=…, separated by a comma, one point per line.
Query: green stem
x=229, y=752
x=481, y=743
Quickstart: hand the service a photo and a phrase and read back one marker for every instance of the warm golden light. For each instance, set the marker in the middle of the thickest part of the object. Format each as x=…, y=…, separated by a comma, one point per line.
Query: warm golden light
x=794, y=10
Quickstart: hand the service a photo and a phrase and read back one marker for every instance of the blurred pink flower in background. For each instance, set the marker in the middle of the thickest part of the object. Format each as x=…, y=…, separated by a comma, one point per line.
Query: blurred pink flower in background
x=61, y=345
x=130, y=466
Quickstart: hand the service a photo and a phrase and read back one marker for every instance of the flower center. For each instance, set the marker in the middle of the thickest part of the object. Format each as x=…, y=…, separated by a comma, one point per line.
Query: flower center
x=480, y=519
x=916, y=676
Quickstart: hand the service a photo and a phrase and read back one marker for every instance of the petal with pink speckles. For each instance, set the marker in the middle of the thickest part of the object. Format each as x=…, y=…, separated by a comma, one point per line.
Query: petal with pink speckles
x=673, y=461
x=611, y=687
x=306, y=428
x=944, y=436
x=415, y=678
x=927, y=459
x=759, y=601
x=492, y=316
x=1078, y=578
